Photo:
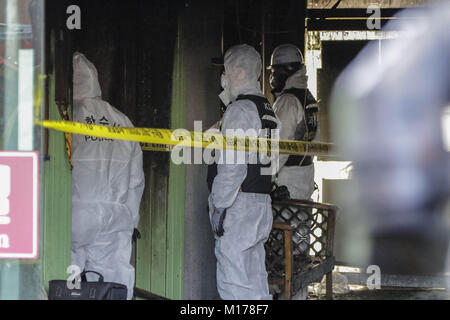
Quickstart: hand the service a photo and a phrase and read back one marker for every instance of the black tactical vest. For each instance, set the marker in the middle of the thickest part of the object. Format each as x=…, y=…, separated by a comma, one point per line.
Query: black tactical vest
x=254, y=182
x=307, y=128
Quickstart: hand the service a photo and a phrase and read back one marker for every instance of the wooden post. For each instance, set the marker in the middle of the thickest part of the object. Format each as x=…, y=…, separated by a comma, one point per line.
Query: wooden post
x=330, y=238
x=289, y=262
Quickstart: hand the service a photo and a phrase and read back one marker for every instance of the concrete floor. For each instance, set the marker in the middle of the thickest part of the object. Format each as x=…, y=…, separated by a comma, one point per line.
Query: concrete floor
x=384, y=294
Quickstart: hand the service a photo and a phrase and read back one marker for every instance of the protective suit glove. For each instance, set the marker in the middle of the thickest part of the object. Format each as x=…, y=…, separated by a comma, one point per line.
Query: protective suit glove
x=217, y=218
x=136, y=235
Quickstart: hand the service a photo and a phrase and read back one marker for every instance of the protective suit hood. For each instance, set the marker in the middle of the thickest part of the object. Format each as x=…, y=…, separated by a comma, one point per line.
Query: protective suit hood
x=298, y=80
x=85, y=78
x=240, y=58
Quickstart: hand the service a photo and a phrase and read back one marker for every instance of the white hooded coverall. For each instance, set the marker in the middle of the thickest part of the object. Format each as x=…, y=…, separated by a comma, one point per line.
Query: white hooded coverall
x=107, y=185
x=241, y=271
x=298, y=179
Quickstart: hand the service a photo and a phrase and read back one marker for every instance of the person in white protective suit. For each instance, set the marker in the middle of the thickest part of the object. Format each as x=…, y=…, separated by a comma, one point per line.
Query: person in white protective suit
x=297, y=109
x=239, y=204
x=289, y=83
x=107, y=185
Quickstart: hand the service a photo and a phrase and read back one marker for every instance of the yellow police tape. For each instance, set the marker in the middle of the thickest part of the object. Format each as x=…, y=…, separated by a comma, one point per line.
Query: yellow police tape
x=152, y=139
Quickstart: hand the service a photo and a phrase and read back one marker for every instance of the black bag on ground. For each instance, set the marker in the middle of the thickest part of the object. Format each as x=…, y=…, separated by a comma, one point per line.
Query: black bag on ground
x=58, y=290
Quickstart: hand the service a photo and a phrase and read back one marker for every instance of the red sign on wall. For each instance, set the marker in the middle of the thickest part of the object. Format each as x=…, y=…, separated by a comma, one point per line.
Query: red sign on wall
x=19, y=205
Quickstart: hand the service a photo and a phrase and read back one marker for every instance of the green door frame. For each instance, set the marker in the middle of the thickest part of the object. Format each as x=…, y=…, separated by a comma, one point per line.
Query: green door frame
x=57, y=195
x=177, y=181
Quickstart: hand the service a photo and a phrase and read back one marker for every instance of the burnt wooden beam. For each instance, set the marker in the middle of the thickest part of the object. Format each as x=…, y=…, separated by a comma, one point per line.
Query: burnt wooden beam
x=350, y=19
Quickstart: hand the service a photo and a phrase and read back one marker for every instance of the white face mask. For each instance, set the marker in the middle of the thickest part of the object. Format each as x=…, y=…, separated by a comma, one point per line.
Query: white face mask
x=225, y=94
x=223, y=81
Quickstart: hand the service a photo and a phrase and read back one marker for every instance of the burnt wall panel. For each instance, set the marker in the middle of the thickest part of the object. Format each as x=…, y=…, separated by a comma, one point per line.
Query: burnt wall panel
x=201, y=29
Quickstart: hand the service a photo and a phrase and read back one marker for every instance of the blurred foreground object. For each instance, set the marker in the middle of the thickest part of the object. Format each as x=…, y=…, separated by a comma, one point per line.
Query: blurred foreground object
x=387, y=120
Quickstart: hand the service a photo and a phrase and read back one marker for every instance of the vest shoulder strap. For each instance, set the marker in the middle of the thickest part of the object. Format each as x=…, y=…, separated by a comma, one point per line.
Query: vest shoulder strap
x=303, y=95
x=309, y=104
x=265, y=111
